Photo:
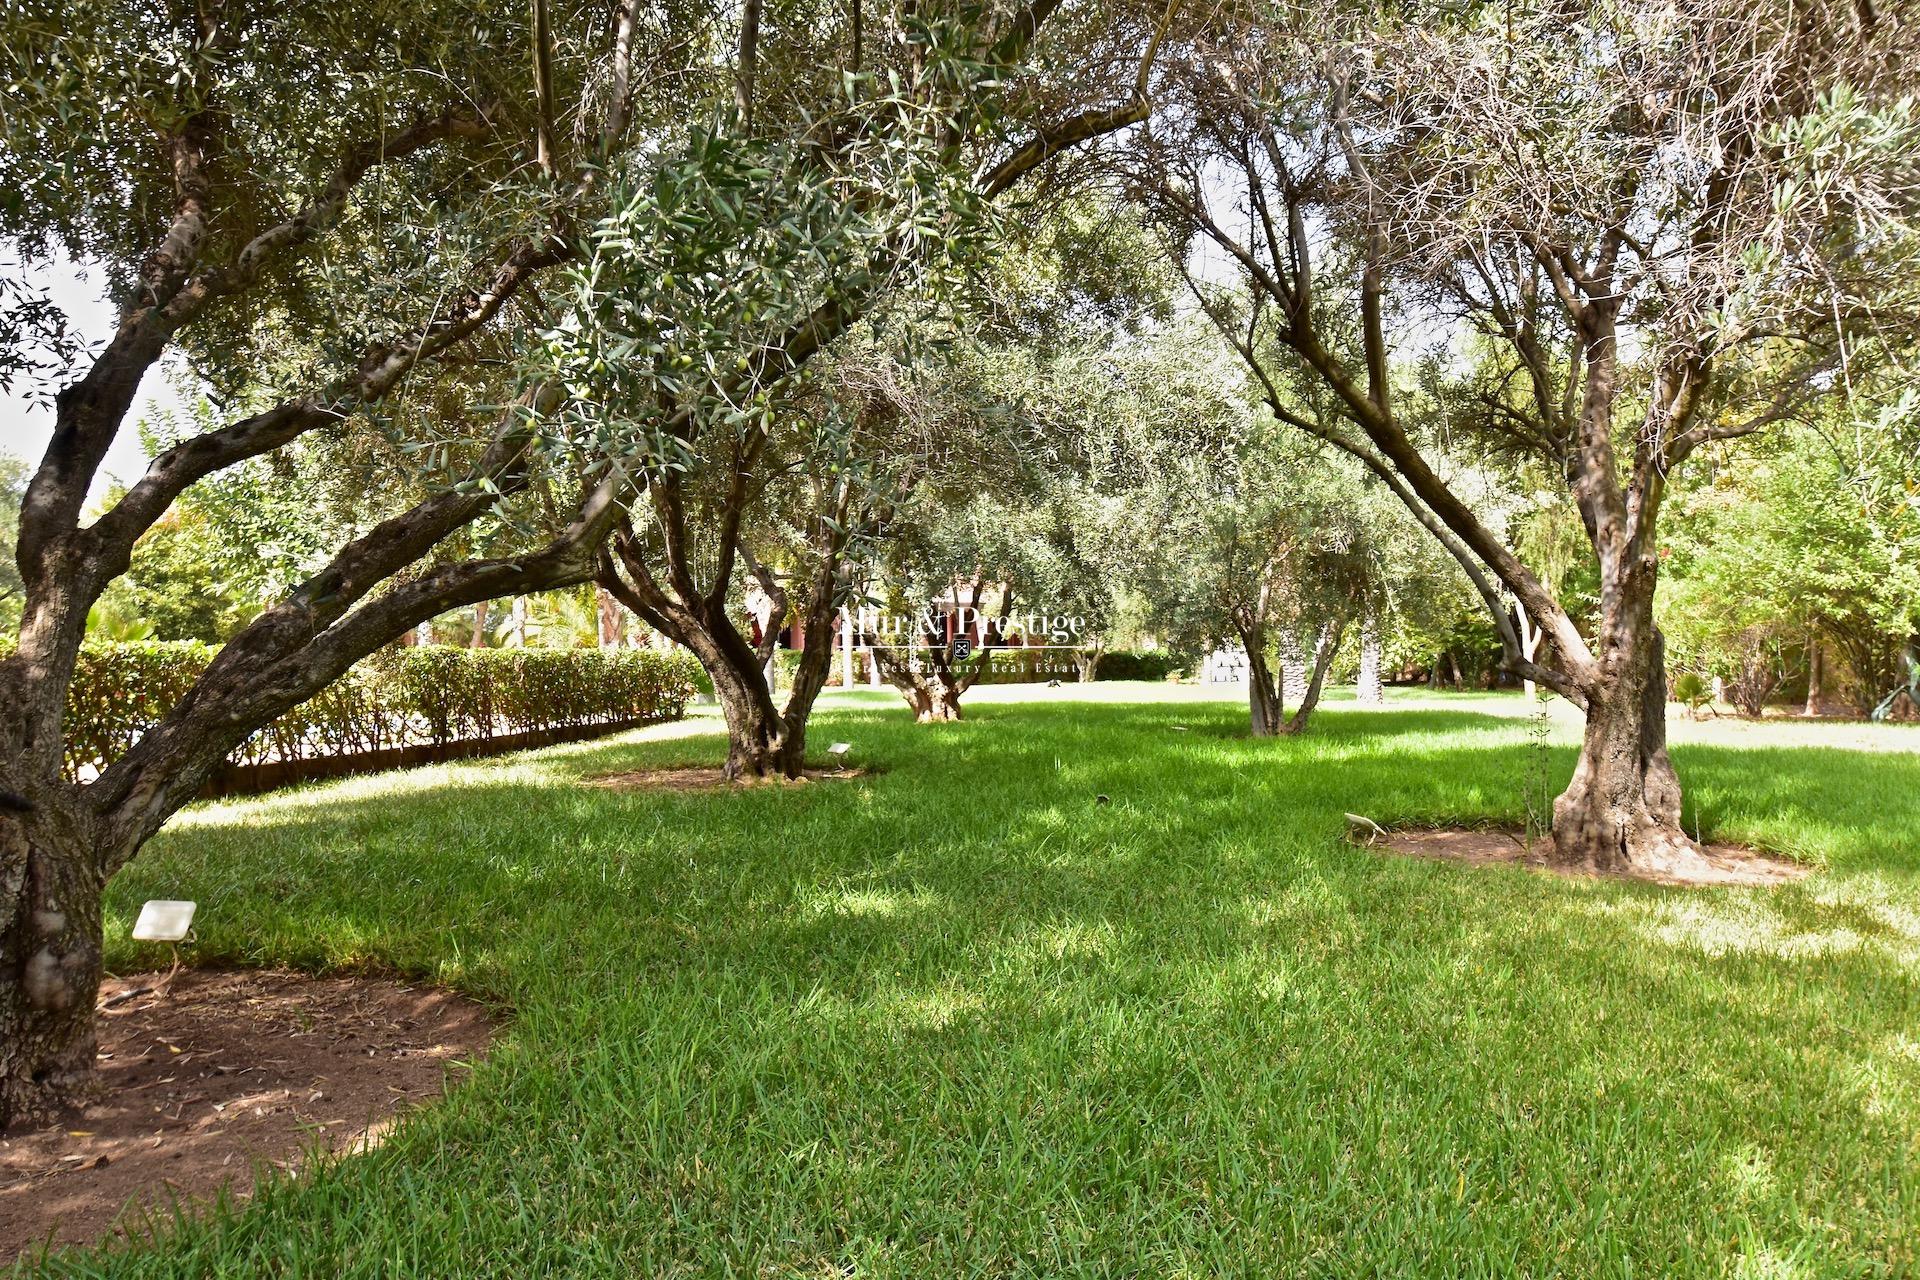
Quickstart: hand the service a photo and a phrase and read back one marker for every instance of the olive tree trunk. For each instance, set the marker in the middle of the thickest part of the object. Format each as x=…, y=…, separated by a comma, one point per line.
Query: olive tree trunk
x=1086, y=662
x=1325, y=646
x=764, y=740
x=61, y=840
x=927, y=674
x=1621, y=810
x=933, y=697
x=50, y=927
x=1267, y=696
x=928, y=679
x=761, y=742
x=1265, y=704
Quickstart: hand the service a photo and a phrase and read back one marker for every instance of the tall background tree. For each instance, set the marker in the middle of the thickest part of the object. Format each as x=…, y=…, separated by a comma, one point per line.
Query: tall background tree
x=1627, y=204
x=1794, y=563
x=1258, y=543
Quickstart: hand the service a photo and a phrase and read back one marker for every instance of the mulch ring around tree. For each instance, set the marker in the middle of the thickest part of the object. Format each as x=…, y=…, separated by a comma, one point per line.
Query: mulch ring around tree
x=711, y=777
x=218, y=1075
x=1723, y=864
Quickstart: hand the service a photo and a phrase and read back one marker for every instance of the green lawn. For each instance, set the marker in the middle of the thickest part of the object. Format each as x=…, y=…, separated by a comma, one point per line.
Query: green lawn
x=958, y=1020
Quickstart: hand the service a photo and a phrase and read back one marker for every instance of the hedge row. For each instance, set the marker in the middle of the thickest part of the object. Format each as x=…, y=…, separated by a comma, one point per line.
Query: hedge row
x=430, y=695
x=1035, y=666
x=1151, y=664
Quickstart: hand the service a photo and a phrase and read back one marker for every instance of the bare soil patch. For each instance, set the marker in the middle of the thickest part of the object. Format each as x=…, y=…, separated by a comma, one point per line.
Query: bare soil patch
x=705, y=777
x=223, y=1074
x=1725, y=864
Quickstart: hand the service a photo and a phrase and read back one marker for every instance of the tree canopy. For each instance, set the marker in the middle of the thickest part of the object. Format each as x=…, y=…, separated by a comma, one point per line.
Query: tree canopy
x=1252, y=323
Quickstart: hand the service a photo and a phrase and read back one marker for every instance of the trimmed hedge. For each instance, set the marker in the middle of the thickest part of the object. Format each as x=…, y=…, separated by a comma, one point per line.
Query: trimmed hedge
x=426, y=696
x=1151, y=664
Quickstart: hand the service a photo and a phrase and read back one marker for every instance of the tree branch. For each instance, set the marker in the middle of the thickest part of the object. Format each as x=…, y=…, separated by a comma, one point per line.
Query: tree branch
x=169, y=475
x=259, y=675
x=543, y=91
x=748, y=60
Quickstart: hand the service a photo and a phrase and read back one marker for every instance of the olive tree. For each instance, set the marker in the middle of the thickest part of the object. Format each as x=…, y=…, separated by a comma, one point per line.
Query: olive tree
x=242, y=173
x=1257, y=542
x=1018, y=522
x=321, y=206
x=1628, y=202
x=774, y=234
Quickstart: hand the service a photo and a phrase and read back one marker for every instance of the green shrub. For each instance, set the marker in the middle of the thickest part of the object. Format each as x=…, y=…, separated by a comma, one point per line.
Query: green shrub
x=1152, y=664
x=1029, y=666
x=119, y=689
x=1692, y=689
x=397, y=698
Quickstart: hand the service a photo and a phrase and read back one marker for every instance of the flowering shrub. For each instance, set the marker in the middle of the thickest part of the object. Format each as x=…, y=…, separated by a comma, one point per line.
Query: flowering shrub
x=398, y=698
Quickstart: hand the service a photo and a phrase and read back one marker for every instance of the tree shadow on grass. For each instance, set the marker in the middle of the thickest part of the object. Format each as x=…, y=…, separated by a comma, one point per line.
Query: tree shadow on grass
x=1169, y=797
x=1230, y=719
x=967, y=1004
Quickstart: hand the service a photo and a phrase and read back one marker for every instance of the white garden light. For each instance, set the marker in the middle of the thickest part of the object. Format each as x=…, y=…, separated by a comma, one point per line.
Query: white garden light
x=160, y=920
x=839, y=753
x=164, y=920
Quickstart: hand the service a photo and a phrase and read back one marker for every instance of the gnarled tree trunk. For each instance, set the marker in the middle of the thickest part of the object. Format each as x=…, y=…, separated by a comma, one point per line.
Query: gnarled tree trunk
x=927, y=674
x=1086, y=662
x=928, y=678
x=1621, y=811
x=50, y=925
x=1267, y=697
x=933, y=696
x=760, y=741
x=763, y=740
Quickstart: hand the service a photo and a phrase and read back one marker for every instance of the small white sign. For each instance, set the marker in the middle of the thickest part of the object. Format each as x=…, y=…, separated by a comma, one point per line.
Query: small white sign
x=839, y=748
x=163, y=921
